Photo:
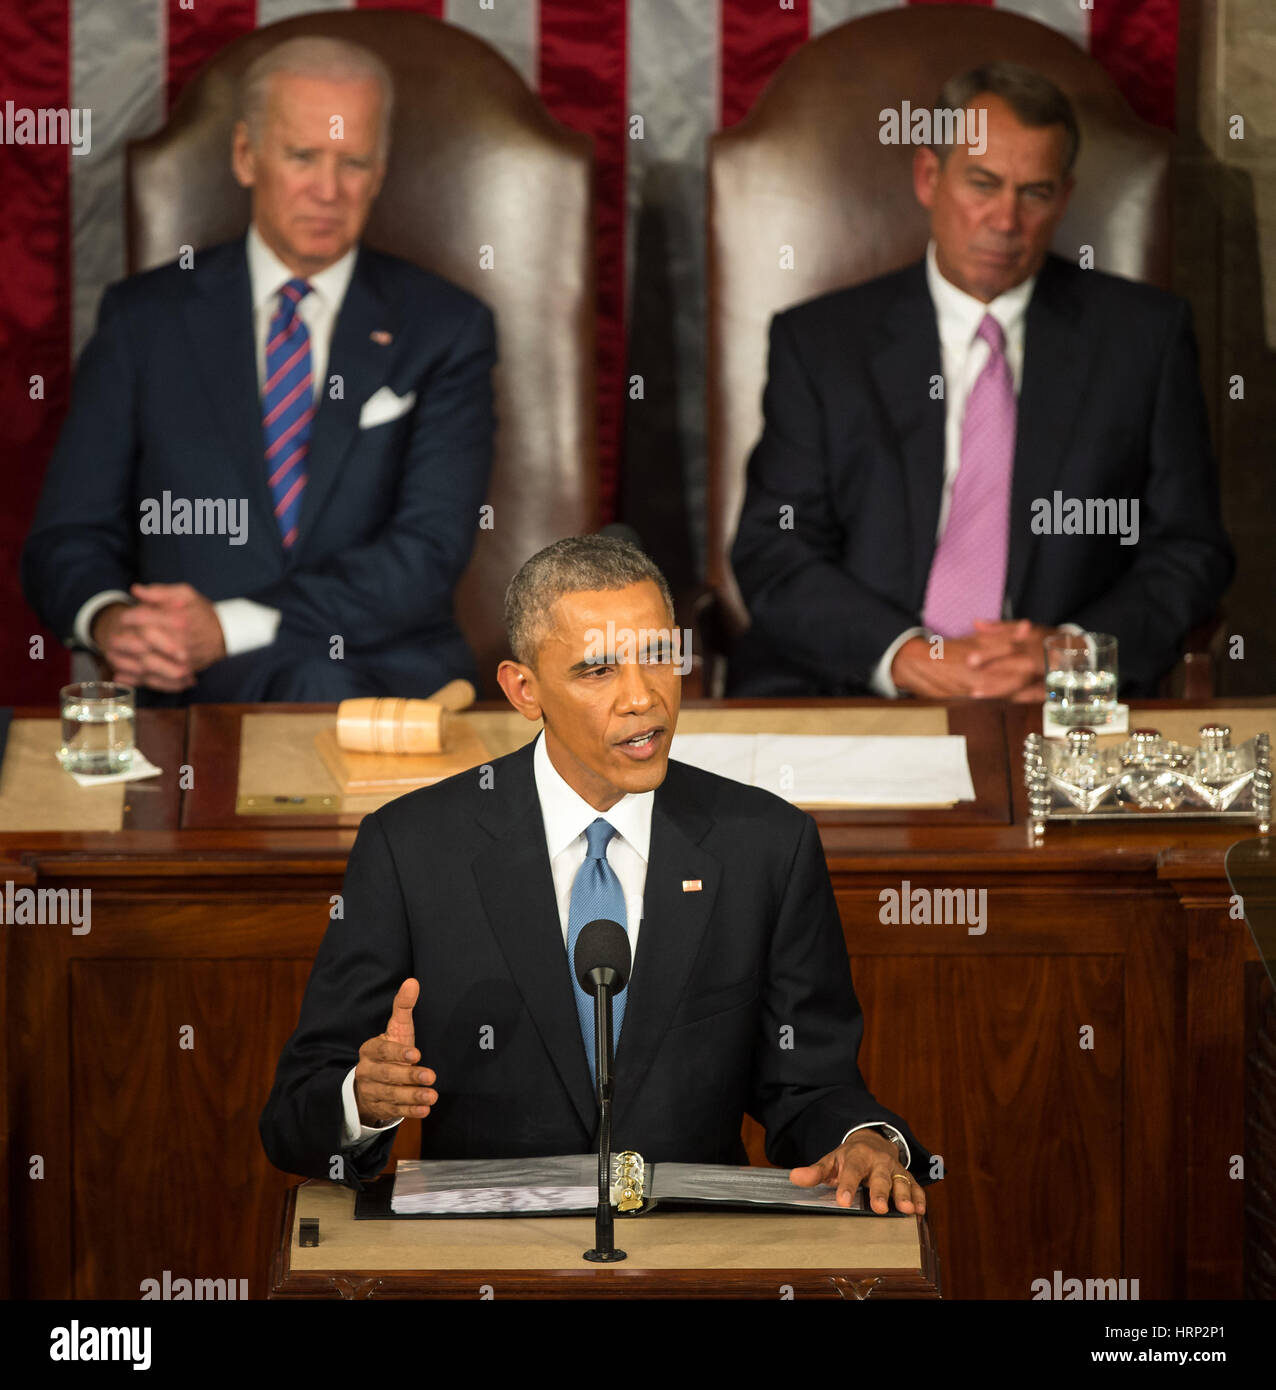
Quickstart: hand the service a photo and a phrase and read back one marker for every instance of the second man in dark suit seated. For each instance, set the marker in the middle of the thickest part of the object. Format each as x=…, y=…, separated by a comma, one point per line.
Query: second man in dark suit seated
x=983, y=447
x=270, y=477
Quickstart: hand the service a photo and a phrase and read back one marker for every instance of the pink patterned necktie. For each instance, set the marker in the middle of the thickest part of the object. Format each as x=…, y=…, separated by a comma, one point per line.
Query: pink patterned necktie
x=968, y=574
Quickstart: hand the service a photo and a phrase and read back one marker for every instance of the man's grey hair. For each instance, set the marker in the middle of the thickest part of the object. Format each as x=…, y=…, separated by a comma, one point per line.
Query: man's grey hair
x=1034, y=99
x=336, y=60
x=572, y=565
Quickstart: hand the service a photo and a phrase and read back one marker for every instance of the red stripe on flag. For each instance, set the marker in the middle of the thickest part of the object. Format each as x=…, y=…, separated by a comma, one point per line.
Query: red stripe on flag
x=35, y=326
x=195, y=34
x=1137, y=42
x=757, y=36
x=582, y=81
x=988, y=4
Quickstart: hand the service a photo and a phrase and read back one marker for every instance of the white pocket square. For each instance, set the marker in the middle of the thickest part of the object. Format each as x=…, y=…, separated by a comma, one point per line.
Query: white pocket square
x=384, y=405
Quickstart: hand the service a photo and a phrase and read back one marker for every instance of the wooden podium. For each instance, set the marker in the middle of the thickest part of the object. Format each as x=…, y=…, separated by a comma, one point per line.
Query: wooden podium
x=672, y=1254
x=208, y=917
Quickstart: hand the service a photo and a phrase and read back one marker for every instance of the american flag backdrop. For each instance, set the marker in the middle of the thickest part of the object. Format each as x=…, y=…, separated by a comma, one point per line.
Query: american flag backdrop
x=687, y=67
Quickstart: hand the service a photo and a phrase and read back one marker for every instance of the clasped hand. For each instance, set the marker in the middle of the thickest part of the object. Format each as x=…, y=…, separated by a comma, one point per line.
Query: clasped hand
x=998, y=661
x=161, y=641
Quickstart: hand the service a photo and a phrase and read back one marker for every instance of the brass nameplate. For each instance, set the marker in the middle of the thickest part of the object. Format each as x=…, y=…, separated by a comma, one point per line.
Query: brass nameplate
x=316, y=804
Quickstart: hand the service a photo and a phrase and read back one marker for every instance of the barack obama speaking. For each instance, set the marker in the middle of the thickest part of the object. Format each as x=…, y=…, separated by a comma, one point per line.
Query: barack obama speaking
x=444, y=990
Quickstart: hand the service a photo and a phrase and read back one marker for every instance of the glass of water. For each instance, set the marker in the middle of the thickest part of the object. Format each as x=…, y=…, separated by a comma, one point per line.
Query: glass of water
x=97, y=727
x=1081, y=678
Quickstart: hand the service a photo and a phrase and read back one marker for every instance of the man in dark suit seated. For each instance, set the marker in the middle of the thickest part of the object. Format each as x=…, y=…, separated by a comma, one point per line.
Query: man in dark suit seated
x=270, y=477
x=986, y=446
x=444, y=989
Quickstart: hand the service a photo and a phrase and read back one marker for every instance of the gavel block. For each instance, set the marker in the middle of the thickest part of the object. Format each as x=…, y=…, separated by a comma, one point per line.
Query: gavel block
x=397, y=744
x=402, y=726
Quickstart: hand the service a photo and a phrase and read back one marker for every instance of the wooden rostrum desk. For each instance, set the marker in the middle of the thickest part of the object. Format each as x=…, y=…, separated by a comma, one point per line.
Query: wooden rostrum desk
x=1102, y=1162
x=671, y=1254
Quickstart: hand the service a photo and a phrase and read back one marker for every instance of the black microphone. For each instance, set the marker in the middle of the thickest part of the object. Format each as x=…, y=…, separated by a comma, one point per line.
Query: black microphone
x=602, y=956
x=602, y=962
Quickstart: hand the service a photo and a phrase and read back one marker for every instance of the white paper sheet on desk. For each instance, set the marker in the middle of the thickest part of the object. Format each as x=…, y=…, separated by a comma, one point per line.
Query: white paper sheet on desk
x=865, y=770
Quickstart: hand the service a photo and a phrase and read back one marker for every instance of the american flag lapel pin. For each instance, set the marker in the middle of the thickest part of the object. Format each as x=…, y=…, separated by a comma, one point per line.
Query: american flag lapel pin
x=691, y=885
x=379, y=335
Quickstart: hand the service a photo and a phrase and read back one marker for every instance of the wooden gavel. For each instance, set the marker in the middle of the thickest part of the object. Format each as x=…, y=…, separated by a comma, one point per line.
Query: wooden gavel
x=396, y=725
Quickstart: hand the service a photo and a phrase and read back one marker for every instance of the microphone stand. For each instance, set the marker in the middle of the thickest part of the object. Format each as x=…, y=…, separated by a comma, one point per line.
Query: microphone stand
x=604, y=1251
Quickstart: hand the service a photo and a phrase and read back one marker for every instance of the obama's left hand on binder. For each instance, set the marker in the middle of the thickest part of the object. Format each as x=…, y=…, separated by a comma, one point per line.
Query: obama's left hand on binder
x=865, y=1157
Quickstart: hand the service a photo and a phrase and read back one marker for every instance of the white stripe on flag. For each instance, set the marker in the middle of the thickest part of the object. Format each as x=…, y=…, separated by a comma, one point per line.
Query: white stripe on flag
x=272, y=11
x=1065, y=18
x=828, y=14
x=510, y=26
x=117, y=69
x=674, y=61
x=672, y=73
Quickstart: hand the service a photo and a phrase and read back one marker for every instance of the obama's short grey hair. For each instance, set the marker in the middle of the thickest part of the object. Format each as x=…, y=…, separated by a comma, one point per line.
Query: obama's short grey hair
x=569, y=566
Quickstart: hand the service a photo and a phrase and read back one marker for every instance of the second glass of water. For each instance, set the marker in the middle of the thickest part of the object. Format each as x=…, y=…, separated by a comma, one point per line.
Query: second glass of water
x=1081, y=678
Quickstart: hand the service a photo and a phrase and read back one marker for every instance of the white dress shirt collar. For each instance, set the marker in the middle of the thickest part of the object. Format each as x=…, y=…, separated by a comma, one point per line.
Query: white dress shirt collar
x=267, y=274
x=959, y=314
x=567, y=814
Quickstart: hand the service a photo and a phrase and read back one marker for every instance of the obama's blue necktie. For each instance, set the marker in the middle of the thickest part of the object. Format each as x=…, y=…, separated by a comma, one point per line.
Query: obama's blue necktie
x=596, y=894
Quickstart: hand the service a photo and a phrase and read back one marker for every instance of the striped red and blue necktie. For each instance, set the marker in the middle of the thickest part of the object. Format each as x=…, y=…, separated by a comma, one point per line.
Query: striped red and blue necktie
x=287, y=407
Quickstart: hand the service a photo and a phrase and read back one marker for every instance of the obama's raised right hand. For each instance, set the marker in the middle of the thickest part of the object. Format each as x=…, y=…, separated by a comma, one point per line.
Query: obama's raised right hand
x=388, y=1083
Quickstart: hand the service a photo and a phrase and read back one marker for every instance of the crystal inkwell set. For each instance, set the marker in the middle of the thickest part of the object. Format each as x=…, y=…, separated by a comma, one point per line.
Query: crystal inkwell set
x=1147, y=774
x=1085, y=773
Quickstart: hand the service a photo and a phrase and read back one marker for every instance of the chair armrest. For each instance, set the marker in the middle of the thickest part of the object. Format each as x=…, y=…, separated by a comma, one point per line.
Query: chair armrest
x=708, y=675
x=88, y=665
x=1193, y=677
